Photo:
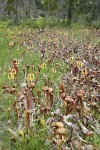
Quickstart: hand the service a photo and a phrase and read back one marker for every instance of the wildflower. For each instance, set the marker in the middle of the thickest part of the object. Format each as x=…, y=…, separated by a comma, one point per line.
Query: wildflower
x=43, y=123
x=71, y=60
x=89, y=46
x=80, y=64
x=57, y=65
x=30, y=77
x=54, y=70
x=11, y=44
x=10, y=76
x=84, y=71
x=13, y=71
x=61, y=131
x=19, y=32
x=21, y=133
x=16, y=61
x=58, y=125
x=43, y=66
x=32, y=46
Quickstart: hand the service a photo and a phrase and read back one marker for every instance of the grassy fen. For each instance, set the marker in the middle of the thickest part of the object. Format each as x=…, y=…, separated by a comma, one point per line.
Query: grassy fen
x=28, y=49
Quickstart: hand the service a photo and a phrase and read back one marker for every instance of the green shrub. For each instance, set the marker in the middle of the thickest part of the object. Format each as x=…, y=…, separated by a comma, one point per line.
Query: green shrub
x=3, y=24
x=95, y=24
x=10, y=23
x=31, y=23
x=41, y=22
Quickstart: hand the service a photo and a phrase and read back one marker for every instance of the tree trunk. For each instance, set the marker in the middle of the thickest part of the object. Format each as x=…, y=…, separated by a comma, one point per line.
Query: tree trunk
x=58, y=16
x=29, y=9
x=16, y=12
x=59, y=11
x=69, y=12
x=48, y=12
x=34, y=10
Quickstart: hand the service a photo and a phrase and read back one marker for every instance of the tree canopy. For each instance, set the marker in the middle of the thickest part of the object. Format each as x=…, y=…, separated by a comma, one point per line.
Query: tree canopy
x=65, y=10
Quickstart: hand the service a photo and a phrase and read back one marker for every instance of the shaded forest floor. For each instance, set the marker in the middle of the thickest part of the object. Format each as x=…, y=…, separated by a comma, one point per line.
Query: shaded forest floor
x=49, y=89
